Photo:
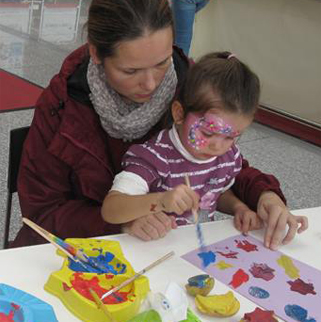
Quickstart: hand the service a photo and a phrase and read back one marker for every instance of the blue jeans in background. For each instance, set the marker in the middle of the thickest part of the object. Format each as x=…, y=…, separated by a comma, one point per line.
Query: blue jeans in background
x=184, y=14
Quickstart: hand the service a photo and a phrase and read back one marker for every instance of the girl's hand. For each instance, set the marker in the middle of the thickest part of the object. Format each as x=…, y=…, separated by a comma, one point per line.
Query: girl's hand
x=276, y=216
x=245, y=220
x=150, y=227
x=179, y=200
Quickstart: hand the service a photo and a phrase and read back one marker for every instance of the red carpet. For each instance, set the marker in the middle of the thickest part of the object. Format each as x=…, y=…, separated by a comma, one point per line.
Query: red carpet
x=16, y=93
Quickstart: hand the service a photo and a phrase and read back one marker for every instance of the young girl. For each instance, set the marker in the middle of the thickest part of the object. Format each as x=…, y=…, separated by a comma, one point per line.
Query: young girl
x=215, y=106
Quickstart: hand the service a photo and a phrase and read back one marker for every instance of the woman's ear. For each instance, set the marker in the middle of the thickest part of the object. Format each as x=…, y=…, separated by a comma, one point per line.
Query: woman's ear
x=93, y=54
x=177, y=112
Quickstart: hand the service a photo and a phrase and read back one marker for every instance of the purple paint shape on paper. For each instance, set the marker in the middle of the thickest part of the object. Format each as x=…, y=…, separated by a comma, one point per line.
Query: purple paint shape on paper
x=278, y=288
x=301, y=287
x=262, y=271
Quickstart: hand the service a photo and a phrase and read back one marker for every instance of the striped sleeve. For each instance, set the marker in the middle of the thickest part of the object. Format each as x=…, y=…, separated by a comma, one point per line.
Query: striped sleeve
x=146, y=161
x=236, y=169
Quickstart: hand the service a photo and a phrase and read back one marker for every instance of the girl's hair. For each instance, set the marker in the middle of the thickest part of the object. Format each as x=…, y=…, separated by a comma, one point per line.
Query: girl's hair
x=223, y=74
x=111, y=22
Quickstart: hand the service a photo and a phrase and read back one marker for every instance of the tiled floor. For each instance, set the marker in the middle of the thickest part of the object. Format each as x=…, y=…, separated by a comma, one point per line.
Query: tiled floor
x=295, y=163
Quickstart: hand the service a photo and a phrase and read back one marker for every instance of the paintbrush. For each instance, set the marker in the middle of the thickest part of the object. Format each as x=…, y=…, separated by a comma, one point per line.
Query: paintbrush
x=72, y=252
x=101, y=305
x=199, y=231
x=131, y=279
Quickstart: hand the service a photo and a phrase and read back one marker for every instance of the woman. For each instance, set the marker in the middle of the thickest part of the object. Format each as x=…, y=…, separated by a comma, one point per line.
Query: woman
x=108, y=95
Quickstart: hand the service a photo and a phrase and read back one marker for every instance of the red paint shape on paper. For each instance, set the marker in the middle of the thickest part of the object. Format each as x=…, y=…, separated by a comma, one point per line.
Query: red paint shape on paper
x=229, y=255
x=301, y=287
x=258, y=315
x=245, y=245
x=262, y=271
x=239, y=278
x=153, y=207
x=82, y=285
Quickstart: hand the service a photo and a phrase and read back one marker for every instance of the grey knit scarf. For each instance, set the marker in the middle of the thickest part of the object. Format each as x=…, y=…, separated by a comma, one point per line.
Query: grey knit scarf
x=128, y=120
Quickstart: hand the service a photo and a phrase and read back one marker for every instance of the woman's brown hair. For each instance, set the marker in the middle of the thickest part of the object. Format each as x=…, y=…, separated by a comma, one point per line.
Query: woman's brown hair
x=111, y=22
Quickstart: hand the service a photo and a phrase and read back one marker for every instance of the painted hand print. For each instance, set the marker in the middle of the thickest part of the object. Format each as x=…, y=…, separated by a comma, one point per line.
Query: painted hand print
x=270, y=279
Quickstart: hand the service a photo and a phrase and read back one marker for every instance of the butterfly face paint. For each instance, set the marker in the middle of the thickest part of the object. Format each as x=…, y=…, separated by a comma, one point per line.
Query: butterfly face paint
x=202, y=127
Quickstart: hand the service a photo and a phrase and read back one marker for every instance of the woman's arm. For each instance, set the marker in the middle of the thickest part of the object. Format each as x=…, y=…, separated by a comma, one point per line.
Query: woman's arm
x=250, y=183
x=271, y=211
x=50, y=193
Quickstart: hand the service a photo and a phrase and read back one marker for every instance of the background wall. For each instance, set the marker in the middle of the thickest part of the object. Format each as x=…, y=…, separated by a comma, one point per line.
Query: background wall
x=279, y=39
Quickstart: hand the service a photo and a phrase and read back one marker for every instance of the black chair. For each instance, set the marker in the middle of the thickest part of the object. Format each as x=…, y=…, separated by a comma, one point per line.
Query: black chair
x=17, y=138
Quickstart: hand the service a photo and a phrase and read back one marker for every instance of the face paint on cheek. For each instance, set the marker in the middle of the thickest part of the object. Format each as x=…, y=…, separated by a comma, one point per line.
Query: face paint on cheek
x=195, y=137
x=216, y=125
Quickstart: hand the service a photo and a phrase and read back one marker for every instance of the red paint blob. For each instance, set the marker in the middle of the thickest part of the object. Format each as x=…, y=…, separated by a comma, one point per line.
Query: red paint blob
x=7, y=318
x=258, y=315
x=262, y=271
x=109, y=276
x=66, y=287
x=239, y=278
x=301, y=287
x=245, y=245
x=229, y=255
x=82, y=286
x=15, y=306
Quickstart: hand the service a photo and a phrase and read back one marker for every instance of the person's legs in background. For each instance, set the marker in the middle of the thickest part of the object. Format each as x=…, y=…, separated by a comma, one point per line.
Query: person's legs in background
x=184, y=14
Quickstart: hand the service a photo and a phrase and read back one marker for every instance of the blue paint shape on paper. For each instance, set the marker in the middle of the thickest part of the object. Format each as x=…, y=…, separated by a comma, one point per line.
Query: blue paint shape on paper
x=297, y=313
x=207, y=257
x=258, y=292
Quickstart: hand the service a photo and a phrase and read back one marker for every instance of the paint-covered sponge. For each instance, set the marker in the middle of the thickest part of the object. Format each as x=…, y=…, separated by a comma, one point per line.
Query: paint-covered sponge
x=200, y=285
x=72, y=282
x=259, y=315
x=218, y=305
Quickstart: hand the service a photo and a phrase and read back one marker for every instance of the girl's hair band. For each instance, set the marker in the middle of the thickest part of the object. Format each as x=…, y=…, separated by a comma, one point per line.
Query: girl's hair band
x=231, y=56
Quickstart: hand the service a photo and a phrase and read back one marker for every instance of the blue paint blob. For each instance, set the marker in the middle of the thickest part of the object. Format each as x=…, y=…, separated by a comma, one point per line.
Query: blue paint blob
x=198, y=280
x=98, y=265
x=207, y=257
x=258, y=292
x=297, y=313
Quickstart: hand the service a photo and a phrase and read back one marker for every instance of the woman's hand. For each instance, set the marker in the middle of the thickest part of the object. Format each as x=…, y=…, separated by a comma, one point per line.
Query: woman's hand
x=150, y=227
x=276, y=216
x=179, y=200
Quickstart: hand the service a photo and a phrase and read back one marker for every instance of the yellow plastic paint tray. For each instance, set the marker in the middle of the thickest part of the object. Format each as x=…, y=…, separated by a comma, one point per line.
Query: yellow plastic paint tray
x=72, y=286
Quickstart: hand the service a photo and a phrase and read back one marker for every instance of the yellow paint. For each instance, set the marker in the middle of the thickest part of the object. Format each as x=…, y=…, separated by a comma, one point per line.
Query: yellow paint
x=85, y=309
x=223, y=265
x=289, y=268
x=218, y=305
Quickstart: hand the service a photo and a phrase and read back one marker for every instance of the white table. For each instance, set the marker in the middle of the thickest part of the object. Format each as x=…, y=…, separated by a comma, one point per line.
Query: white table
x=28, y=268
